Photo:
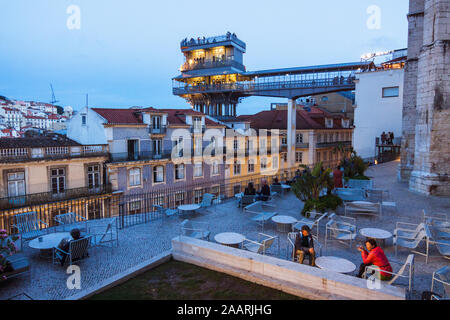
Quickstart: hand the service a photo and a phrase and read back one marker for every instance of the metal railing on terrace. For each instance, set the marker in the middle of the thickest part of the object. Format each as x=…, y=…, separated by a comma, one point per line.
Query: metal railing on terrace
x=133, y=209
x=51, y=153
x=211, y=40
x=252, y=86
x=160, y=130
x=333, y=144
x=208, y=64
x=140, y=156
x=49, y=197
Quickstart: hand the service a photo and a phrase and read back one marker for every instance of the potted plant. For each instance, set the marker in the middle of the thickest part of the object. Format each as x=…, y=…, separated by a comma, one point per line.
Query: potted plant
x=309, y=186
x=7, y=248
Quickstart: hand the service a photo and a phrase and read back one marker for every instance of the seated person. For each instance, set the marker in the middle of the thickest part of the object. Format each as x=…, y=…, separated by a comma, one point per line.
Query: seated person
x=276, y=182
x=337, y=177
x=264, y=194
x=374, y=256
x=65, y=244
x=250, y=190
x=304, y=245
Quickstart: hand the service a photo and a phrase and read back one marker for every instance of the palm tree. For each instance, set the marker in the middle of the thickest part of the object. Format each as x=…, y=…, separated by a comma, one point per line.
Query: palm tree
x=312, y=182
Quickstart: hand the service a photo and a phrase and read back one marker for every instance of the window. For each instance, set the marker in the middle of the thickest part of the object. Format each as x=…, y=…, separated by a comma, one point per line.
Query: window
x=134, y=177
x=285, y=157
x=157, y=147
x=262, y=144
x=179, y=198
x=299, y=157
x=325, y=156
x=16, y=184
x=215, y=190
x=284, y=140
x=318, y=156
x=299, y=138
x=319, y=138
x=198, y=169
x=274, y=162
x=58, y=180
x=197, y=123
x=93, y=175
x=263, y=163
x=158, y=200
x=215, y=168
x=235, y=144
x=237, y=168
x=390, y=92
x=156, y=123
x=83, y=119
x=329, y=123
x=251, y=165
x=158, y=174
x=198, y=195
x=134, y=206
x=179, y=171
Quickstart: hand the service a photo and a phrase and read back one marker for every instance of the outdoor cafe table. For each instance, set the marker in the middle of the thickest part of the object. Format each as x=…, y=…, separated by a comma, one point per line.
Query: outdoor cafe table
x=49, y=241
x=375, y=233
x=190, y=208
x=230, y=239
x=284, y=223
x=336, y=264
x=285, y=187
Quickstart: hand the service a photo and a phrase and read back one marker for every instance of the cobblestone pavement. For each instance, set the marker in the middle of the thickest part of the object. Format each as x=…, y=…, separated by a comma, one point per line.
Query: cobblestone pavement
x=141, y=242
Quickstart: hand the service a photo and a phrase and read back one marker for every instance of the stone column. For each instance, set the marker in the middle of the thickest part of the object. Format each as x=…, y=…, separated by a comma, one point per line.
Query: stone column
x=291, y=128
x=415, y=41
x=431, y=173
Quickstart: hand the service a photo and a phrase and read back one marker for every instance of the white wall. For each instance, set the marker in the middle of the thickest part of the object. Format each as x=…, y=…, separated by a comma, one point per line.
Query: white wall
x=92, y=133
x=375, y=114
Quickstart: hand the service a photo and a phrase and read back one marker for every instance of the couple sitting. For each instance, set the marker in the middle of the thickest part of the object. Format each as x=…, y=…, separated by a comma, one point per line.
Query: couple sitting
x=262, y=195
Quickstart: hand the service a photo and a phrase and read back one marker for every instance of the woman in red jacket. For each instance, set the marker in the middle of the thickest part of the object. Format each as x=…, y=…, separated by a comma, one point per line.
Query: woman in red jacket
x=374, y=256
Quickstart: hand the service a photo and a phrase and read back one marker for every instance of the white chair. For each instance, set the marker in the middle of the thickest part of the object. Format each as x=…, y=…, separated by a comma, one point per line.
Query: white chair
x=198, y=230
x=406, y=271
x=407, y=230
x=442, y=276
x=363, y=207
x=104, y=235
x=340, y=229
x=316, y=218
x=262, y=212
x=292, y=236
x=436, y=219
x=262, y=245
x=414, y=242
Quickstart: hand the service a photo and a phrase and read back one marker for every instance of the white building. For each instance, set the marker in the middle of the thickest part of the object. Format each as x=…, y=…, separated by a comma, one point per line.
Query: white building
x=378, y=106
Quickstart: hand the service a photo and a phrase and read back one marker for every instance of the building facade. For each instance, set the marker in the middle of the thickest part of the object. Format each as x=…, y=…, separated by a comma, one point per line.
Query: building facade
x=378, y=107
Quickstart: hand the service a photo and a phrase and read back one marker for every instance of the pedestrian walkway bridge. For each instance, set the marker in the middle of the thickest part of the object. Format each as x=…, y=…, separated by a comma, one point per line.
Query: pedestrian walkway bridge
x=283, y=83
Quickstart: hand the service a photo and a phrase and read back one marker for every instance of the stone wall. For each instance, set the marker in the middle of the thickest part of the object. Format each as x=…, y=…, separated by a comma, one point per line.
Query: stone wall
x=426, y=110
x=431, y=173
x=415, y=40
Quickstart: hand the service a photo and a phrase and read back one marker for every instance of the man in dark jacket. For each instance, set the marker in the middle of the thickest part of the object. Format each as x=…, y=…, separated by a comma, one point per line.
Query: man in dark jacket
x=304, y=245
x=265, y=191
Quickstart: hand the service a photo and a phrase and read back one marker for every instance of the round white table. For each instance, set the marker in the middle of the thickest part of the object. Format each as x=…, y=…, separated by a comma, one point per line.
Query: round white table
x=284, y=223
x=335, y=264
x=375, y=233
x=189, y=207
x=230, y=239
x=49, y=241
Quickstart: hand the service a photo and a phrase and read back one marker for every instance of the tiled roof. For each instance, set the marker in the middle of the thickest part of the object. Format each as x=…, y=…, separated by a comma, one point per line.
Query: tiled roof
x=38, y=142
x=277, y=119
x=119, y=116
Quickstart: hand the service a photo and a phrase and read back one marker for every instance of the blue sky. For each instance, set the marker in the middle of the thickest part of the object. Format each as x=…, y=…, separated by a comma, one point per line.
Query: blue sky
x=126, y=52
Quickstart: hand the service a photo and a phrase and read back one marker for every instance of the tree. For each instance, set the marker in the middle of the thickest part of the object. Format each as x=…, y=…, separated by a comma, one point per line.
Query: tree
x=311, y=182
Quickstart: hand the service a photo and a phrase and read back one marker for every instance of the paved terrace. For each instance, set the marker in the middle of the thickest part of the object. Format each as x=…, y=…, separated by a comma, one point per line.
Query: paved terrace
x=142, y=242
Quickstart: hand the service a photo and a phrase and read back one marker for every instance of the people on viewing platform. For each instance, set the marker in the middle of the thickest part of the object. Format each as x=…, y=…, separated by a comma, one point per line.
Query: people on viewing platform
x=264, y=194
x=374, y=256
x=304, y=245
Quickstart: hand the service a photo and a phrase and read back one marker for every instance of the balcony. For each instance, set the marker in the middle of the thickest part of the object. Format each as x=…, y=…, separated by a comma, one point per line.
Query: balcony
x=198, y=129
x=52, y=153
x=302, y=145
x=333, y=144
x=140, y=156
x=160, y=130
x=47, y=197
x=209, y=64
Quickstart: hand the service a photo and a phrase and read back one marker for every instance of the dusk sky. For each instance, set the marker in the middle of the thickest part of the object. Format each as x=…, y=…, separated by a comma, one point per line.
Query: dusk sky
x=126, y=52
